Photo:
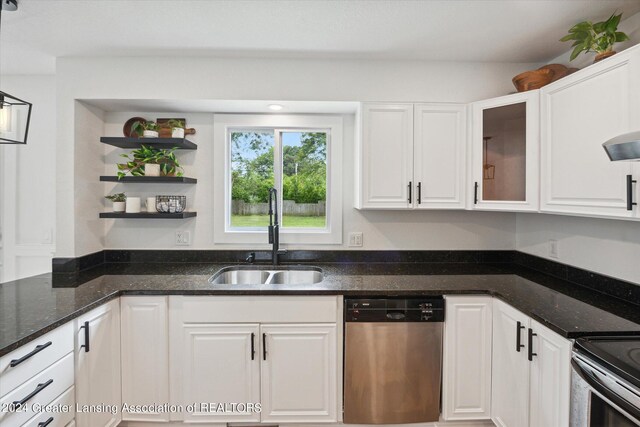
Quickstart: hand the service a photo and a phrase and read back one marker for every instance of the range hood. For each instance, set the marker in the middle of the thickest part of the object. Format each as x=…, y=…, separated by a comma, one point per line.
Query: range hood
x=623, y=147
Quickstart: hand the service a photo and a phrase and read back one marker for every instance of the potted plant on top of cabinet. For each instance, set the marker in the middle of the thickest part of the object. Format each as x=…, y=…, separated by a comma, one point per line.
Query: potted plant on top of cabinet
x=599, y=37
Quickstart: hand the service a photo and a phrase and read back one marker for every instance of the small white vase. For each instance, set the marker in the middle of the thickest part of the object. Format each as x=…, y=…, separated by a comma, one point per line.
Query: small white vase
x=132, y=205
x=118, y=206
x=151, y=204
x=177, y=133
x=150, y=134
x=151, y=169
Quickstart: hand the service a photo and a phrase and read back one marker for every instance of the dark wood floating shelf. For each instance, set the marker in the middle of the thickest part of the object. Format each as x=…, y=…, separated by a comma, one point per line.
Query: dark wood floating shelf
x=145, y=215
x=151, y=179
x=123, y=142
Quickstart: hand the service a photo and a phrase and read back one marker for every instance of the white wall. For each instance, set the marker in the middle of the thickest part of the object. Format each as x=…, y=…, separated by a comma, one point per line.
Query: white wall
x=610, y=247
x=273, y=79
x=27, y=194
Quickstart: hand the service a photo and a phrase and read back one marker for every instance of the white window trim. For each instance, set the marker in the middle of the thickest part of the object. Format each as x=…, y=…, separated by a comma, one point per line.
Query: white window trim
x=222, y=233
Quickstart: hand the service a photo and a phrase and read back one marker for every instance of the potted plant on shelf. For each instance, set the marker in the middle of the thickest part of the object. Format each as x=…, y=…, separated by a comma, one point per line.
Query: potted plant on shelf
x=118, y=201
x=149, y=161
x=147, y=129
x=599, y=37
x=177, y=128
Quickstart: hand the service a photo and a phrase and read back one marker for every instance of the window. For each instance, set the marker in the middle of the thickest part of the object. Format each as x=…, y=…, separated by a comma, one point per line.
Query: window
x=299, y=156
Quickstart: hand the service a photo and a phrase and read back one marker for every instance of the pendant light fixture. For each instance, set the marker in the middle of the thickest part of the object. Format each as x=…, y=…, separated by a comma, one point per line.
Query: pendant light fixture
x=15, y=113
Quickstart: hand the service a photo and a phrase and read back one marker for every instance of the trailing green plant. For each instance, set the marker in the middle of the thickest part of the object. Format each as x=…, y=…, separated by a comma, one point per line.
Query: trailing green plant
x=173, y=123
x=599, y=37
x=118, y=197
x=139, y=127
x=136, y=160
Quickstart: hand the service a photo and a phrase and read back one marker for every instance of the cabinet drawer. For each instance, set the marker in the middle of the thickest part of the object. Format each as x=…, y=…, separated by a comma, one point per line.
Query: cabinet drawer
x=51, y=382
x=258, y=309
x=55, y=411
x=44, y=350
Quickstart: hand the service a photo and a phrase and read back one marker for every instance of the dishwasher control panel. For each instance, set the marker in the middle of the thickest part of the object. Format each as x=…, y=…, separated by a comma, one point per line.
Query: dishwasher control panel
x=429, y=309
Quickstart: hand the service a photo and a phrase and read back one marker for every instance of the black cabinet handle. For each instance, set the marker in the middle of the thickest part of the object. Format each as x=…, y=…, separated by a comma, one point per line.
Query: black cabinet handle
x=475, y=193
x=45, y=423
x=39, y=388
x=264, y=346
x=630, y=202
x=86, y=337
x=38, y=349
x=410, y=198
x=253, y=346
x=530, y=350
x=518, y=340
x=419, y=193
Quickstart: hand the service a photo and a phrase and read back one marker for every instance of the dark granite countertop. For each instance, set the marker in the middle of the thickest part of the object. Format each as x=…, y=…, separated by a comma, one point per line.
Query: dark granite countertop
x=33, y=306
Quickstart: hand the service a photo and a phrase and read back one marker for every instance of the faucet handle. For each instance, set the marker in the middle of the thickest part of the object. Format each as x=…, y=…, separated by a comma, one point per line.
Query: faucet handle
x=251, y=258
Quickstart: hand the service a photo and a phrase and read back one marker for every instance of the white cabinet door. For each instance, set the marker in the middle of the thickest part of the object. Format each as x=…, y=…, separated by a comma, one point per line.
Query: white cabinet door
x=220, y=364
x=579, y=113
x=386, y=156
x=97, y=350
x=299, y=373
x=505, y=144
x=439, y=156
x=145, y=355
x=510, y=371
x=466, y=388
x=550, y=378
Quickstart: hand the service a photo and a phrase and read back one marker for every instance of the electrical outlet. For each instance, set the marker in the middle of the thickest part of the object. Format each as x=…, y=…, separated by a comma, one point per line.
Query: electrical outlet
x=553, y=248
x=355, y=239
x=183, y=238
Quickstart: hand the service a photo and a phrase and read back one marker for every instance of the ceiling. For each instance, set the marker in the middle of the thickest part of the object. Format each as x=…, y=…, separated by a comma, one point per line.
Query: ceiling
x=435, y=30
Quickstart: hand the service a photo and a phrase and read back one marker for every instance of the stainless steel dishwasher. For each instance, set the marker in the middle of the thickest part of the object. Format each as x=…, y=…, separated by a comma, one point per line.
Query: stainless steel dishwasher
x=393, y=360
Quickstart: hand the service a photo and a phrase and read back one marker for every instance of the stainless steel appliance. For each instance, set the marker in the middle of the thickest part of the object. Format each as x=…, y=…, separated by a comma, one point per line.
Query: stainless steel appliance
x=605, y=382
x=393, y=360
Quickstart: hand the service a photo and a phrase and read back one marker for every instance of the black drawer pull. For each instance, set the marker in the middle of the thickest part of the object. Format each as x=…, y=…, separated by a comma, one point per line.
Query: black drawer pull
x=38, y=349
x=39, y=388
x=253, y=346
x=518, y=340
x=475, y=193
x=630, y=202
x=86, y=337
x=264, y=346
x=420, y=193
x=530, y=350
x=45, y=423
x=409, y=191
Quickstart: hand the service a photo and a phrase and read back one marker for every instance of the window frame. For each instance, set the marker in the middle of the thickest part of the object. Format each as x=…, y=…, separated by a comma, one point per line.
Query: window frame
x=224, y=124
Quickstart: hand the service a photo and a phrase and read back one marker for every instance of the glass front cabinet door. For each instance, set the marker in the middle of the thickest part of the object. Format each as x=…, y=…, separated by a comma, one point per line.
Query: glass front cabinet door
x=505, y=153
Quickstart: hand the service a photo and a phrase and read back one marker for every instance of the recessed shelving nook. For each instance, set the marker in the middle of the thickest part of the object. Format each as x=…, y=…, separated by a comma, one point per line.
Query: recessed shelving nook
x=162, y=143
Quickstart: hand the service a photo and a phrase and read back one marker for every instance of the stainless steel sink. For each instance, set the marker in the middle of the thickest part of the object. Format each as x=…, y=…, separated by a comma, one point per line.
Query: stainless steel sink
x=296, y=277
x=252, y=276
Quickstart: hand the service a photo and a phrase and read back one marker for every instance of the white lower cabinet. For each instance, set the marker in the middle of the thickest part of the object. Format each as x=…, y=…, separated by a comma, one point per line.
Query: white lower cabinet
x=97, y=346
x=280, y=361
x=531, y=371
x=466, y=382
x=144, y=338
x=299, y=373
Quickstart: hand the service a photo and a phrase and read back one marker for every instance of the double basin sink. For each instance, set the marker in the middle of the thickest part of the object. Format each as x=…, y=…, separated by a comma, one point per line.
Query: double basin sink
x=276, y=276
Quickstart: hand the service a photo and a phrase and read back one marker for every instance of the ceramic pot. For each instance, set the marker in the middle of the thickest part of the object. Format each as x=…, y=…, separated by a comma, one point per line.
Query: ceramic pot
x=132, y=205
x=151, y=169
x=150, y=134
x=151, y=204
x=177, y=133
x=118, y=206
x=604, y=55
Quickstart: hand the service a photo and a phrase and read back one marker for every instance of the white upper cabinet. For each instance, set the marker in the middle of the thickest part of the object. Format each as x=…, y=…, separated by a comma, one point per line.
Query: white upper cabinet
x=386, y=156
x=579, y=113
x=411, y=156
x=439, y=156
x=505, y=153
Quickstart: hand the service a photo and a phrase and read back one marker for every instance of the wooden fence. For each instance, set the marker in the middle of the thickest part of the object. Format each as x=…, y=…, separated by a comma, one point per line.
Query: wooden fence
x=239, y=207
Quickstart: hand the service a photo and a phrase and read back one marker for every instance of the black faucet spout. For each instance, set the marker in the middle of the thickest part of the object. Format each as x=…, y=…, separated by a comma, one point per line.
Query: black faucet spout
x=274, y=227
